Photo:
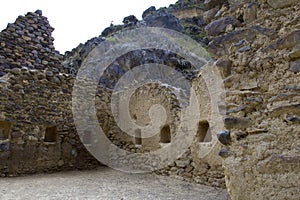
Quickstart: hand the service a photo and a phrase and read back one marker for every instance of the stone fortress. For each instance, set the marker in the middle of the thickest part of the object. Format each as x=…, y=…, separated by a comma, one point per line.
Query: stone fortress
x=256, y=49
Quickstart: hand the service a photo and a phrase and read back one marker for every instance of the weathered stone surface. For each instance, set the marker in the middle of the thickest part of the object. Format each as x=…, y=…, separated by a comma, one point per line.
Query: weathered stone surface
x=110, y=30
x=244, y=48
x=4, y=146
x=224, y=65
x=234, y=122
x=182, y=163
x=224, y=137
x=148, y=11
x=130, y=21
x=209, y=15
x=281, y=4
x=250, y=13
x=294, y=119
x=279, y=164
x=225, y=153
x=161, y=18
x=235, y=3
x=214, y=3
x=289, y=41
x=220, y=45
x=295, y=66
x=219, y=26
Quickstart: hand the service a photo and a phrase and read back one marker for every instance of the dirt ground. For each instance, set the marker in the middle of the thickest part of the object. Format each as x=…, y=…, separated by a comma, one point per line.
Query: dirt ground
x=104, y=183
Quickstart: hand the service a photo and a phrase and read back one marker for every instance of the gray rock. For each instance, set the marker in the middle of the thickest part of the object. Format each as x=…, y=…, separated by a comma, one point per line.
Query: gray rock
x=239, y=43
x=224, y=137
x=161, y=18
x=244, y=48
x=214, y=3
x=130, y=21
x=235, y=3
x=224, y=153
x=288, y=41
x=250, y=13
x=39, y=12
x=182, y=163
x=219, y=26
x=295, y=66
x=209, y=15
x=4, y=146
x=56, y=80
x=148, y=11
x=294, y=119
x=15, y=71
x=231, y=122
x=49, y=74
x=219, y=46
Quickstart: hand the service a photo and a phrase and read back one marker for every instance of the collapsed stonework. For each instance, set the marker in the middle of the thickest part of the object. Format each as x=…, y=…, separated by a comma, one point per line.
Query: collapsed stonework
x=255, y=45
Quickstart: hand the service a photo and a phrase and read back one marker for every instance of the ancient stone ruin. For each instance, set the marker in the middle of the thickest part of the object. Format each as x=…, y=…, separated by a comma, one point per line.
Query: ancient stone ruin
x=255, y=49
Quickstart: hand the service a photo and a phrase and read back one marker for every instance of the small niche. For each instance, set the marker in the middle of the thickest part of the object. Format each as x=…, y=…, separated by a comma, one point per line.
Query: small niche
x=50, y=134
x=165, y=134
x=134, y=117
x=5, y=130
x=204, y=133
x=138, y=137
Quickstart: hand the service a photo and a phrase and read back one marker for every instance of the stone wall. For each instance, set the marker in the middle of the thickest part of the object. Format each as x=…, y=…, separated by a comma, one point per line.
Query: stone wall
x=257, y=44
x=42, y=137
x=37, y=131
x=28, y=43
x=194, y=164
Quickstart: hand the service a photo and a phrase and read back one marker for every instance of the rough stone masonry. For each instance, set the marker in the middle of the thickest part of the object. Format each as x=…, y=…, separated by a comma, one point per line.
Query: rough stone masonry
x=255, y=45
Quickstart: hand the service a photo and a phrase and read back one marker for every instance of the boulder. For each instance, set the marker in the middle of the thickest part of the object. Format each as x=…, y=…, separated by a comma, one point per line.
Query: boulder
x=150, y=10
x=130, y=21
x=161, y=18
x=219, y=26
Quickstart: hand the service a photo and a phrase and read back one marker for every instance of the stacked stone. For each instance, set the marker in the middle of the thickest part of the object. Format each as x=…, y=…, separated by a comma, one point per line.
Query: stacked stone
x=32, y=101
x=28, y=43
x=258, y=57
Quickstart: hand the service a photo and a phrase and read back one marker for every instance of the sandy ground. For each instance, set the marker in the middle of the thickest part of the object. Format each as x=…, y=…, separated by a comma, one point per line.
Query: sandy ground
x=104, y=183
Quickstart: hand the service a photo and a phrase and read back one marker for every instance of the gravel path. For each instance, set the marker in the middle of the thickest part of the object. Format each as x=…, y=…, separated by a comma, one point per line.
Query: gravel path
x=104, y=183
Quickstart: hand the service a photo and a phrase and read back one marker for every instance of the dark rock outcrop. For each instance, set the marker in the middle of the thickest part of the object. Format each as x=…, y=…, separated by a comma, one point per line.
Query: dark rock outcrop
x=161, y=18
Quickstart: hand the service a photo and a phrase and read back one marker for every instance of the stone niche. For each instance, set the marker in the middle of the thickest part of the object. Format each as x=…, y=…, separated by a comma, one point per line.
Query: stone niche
x=165, y=134
x=204, y=133
x=5, y=130
x=50, y=134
